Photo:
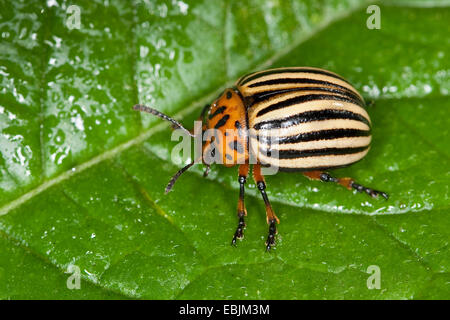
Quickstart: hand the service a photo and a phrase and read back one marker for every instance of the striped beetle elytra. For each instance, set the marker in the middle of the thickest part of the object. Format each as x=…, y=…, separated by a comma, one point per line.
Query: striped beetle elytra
x=293, y=119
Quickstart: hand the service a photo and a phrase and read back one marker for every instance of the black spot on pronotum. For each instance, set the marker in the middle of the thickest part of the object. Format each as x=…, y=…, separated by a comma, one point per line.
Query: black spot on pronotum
x=229, y=95
x=218, y=111
x=222, y=121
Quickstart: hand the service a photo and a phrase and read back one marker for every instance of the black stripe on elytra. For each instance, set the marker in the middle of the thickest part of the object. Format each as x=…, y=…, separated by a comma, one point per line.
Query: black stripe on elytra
x=296, y=81
x=293, y=154
x=251, y=77
x=313, y=136
x=266, y=95
x=222, y=121
x=301, y=169
x=302, y=99
x=236, y=145
x=218, y=111
x=308, y=116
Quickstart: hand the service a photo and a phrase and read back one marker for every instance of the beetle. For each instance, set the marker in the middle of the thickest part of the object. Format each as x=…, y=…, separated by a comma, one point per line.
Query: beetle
x=293, y=119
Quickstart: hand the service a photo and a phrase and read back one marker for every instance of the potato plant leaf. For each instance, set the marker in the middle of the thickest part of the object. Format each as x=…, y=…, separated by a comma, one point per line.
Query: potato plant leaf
x=82, y=175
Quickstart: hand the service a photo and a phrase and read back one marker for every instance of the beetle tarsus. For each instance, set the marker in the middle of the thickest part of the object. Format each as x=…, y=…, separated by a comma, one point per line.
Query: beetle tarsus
x=239, y=234
x=242, y=212
x=271, y=237
x=371, y=192
x=326, y=177
x=348, y=183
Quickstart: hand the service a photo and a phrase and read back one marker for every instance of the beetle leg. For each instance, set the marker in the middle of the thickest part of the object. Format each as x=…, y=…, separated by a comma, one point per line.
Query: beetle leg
x=272, y=219
x=348, y=183
x=241, y=211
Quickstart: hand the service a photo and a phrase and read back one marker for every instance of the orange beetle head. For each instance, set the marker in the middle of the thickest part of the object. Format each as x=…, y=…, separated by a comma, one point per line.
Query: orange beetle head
x=224, y=131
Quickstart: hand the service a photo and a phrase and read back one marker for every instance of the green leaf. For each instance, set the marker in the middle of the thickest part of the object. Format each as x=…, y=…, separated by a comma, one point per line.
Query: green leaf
x=82, y=176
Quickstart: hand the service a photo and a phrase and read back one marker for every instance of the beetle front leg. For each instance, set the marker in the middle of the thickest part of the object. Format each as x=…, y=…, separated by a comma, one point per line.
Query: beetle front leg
x=348, y=183
x=241, y=211
x=271, y=218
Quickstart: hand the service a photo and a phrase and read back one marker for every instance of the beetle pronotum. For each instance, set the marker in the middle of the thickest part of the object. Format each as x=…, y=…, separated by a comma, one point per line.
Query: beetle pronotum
x=295, y=119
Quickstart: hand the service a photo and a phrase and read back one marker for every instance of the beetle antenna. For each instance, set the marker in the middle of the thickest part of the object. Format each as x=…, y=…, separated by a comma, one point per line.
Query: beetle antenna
x=176, y=176
x=177, y=125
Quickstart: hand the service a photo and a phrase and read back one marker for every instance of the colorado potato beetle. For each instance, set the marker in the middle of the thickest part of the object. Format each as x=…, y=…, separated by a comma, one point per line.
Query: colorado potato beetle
x=292, y=119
